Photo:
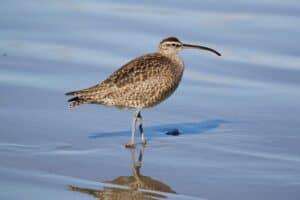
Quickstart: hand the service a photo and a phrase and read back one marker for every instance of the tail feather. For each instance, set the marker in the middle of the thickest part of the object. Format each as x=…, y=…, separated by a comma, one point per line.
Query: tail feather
x=76, y=101
x=71, y=93
x=89, y=95
x=73, y=99
x=85, y=92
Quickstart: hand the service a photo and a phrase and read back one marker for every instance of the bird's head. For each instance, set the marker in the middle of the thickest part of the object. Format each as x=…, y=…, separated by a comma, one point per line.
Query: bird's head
x=171, y=45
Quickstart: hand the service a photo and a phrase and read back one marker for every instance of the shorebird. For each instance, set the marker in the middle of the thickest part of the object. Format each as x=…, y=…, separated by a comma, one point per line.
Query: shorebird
x=141, y=83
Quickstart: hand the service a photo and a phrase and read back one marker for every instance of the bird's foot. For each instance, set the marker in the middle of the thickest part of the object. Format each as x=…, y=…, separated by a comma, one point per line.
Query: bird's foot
x=130, y=146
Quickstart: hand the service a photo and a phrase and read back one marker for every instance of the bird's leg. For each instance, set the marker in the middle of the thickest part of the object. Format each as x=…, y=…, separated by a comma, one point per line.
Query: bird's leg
x=140, y=123
x=138, y=163
x=134, y=120
x=135, y=166
x=142, y=149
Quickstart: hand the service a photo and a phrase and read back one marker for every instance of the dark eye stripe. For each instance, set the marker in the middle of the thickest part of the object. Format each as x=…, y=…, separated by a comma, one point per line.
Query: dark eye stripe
x=173, y=44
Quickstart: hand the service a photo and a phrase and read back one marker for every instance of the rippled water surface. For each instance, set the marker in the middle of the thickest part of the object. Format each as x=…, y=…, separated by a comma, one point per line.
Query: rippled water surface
x=230, y=131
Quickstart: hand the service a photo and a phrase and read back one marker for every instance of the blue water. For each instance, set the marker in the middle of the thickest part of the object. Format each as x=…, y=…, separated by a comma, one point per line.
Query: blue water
x=237, y=116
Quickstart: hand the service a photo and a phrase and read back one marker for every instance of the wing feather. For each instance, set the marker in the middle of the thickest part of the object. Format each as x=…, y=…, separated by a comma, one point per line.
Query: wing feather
x=141, y=80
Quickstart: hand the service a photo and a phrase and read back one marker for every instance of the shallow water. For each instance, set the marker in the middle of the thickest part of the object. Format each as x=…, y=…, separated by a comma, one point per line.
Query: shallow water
x=237, y=116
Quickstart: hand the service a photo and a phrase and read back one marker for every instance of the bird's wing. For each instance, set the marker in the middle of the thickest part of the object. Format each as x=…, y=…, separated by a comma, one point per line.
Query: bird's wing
x=138, y=70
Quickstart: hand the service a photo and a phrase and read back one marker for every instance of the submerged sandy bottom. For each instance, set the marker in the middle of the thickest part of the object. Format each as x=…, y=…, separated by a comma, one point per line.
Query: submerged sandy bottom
x=238, y=115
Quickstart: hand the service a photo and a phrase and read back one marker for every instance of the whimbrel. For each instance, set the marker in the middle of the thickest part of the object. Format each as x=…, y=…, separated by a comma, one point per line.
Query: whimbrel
x=141, y=83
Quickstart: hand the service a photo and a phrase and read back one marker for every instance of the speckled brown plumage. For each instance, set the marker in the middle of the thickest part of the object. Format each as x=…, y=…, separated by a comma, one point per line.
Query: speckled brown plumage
x=141, y=83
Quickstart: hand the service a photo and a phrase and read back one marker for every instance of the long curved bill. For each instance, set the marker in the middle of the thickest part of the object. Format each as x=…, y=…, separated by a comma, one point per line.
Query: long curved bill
x=191, y=46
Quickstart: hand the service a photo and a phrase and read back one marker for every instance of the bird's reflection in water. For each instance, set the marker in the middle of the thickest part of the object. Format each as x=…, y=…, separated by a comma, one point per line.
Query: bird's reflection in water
x=139, y=186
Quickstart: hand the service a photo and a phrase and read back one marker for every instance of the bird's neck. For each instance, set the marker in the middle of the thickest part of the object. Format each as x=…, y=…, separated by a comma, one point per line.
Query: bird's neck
x=174, y=57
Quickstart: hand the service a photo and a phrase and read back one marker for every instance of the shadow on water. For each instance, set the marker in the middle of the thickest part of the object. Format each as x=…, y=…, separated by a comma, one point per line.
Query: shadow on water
x=136, y=186
x=191, y=128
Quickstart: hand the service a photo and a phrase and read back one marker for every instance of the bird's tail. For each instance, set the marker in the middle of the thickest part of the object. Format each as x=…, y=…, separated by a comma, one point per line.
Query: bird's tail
x=75, y=101
x=85, y=96
x=80, y=97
